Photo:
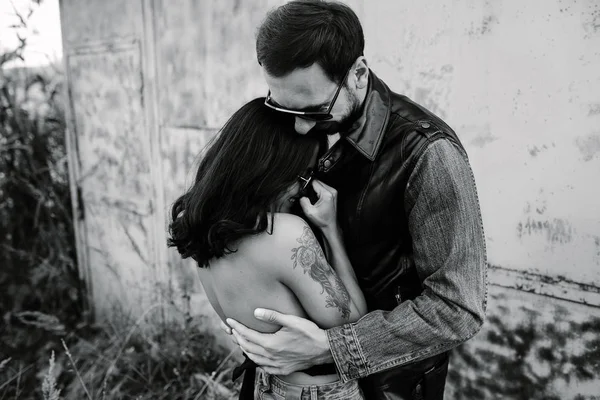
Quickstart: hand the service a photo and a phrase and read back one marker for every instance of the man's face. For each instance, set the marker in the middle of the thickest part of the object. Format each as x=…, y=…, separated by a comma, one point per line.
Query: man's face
x=310, y=89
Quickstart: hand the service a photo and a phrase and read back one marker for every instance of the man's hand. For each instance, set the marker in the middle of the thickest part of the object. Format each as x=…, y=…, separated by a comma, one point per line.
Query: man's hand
x=297, y=345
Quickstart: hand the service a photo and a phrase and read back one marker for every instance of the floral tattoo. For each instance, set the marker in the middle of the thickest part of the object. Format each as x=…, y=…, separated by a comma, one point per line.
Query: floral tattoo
x=310, y=257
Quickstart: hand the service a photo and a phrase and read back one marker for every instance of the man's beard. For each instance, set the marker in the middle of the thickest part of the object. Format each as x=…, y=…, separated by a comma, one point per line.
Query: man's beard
x=343, y=126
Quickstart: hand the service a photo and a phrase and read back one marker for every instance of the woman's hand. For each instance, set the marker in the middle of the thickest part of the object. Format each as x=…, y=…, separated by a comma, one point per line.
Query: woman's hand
x=323, y=213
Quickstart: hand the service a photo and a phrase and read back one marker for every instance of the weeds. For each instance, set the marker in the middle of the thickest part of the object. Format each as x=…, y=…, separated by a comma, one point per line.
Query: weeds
x=93, y=363
x=181, y=363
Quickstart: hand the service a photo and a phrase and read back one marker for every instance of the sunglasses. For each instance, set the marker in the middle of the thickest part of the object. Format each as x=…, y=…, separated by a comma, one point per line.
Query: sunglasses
x=309, y=115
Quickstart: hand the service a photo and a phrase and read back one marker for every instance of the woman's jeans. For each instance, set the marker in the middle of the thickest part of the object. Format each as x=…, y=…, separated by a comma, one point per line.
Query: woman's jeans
x=270, y=387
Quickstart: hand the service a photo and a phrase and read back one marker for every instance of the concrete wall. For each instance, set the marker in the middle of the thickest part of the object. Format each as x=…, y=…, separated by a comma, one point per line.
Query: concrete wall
x=151, y=81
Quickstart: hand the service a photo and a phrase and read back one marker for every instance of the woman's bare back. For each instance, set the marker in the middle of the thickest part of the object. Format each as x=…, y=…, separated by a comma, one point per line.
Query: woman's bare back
x=236, y=285
x=240, y=282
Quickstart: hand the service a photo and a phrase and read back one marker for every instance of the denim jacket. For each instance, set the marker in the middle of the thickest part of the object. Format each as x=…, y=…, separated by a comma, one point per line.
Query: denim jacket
x=410, y=216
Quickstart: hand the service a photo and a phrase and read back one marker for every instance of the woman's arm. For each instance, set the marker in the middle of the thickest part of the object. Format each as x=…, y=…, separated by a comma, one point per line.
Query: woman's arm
x=323, y=214
x=339, y=260
x=296, y=259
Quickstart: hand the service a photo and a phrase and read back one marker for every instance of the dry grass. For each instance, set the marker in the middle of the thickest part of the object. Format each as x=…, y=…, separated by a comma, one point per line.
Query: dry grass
x=180, y=363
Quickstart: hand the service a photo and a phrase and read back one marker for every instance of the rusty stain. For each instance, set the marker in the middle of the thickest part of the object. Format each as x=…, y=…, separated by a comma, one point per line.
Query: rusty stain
x=557, y=231
x=589, y=145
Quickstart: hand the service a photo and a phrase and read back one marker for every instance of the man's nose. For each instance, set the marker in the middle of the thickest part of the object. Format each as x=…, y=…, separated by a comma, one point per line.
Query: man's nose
x=302, y=126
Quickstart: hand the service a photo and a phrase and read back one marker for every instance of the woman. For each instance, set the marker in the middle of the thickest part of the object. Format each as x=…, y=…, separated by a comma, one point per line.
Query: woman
x=237, y=222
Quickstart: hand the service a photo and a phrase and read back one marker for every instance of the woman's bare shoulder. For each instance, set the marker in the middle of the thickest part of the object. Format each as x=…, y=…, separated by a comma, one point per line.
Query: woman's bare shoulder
x=274, y=245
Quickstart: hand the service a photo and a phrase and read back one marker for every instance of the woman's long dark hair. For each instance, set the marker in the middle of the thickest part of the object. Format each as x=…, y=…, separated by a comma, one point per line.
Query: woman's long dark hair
x=253, y=160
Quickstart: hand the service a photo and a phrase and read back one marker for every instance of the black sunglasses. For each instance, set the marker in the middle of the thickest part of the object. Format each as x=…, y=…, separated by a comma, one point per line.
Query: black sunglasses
x=309, y=115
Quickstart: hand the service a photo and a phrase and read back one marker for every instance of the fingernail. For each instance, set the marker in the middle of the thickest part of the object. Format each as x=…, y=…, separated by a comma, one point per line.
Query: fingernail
x=229, y=321
x=259, y=313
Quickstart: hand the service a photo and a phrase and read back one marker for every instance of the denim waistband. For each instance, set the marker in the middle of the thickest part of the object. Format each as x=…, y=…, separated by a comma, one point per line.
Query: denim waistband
x=337, y=390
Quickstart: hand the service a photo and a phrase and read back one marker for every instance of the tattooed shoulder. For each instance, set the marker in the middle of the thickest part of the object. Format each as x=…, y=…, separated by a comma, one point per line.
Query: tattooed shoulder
x=310, y=257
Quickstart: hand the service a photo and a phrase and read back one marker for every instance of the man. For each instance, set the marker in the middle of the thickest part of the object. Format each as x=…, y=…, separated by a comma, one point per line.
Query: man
x=407, y=204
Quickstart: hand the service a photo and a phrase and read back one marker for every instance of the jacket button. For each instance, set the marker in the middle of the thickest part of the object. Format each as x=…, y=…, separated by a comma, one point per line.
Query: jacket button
x=425, y=125
x=327, y=164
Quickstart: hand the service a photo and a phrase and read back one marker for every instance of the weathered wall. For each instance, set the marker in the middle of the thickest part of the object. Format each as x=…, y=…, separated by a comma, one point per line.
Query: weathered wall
x=519, y=82
x=204, y=73
x=151, y=82
x=111, y=140
x=531, y=347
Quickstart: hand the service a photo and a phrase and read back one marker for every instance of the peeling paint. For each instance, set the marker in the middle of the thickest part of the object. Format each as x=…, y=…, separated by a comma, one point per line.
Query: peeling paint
x=557, y=231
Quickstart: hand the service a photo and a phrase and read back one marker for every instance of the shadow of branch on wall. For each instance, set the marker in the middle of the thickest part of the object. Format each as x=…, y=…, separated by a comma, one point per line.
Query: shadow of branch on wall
x=522, y=352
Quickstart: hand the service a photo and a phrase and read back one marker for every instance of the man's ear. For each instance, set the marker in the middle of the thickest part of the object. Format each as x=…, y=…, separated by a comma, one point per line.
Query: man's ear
x=361, y=72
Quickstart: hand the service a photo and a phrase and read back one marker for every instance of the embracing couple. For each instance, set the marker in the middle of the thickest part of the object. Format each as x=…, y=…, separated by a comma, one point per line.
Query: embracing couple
x=335, y=224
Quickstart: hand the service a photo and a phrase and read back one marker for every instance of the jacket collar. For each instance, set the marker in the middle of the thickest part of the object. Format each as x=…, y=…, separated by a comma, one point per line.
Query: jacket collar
x=367, y=132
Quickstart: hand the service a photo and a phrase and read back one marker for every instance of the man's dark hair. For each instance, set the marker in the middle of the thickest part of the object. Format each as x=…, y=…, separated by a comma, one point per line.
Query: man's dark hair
x=303, y=32
x=253, y=160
